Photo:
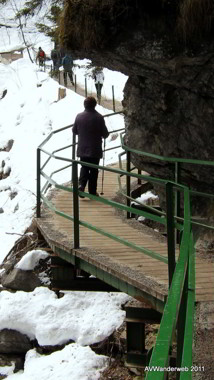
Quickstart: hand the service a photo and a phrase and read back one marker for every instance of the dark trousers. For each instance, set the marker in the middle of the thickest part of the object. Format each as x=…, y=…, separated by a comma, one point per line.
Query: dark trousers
x=41, y=61
x=55, y=64
x=98, y=88
x=89, y=175
x=68, y=73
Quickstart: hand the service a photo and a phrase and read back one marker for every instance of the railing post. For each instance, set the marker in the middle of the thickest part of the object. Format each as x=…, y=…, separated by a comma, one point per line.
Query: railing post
x=170, y=230
x=74, y=147
x=128, y=181
x=75, y=83
x=73, y=154
x=99, y=92
x=38, y=185
x=113, y=100
x=177, y=197
x=181, y=323
x=139, y=182
x=86, y=92
x=75, y=204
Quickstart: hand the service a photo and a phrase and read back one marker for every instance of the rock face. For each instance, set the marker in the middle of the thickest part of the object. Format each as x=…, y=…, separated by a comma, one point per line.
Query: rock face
x=166, y=49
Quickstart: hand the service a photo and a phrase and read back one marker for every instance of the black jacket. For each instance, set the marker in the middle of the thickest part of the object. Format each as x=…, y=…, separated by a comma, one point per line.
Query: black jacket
x=90, y=128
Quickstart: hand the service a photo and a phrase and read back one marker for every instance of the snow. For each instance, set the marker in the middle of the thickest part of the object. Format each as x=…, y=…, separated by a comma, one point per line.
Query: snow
x=73, y=362
x=31, y=259
x=36, y=112
x=78, y=316
x=28, y=114
x=30, y=111
x=10, y=48
x=7, y=370
x=145, y=197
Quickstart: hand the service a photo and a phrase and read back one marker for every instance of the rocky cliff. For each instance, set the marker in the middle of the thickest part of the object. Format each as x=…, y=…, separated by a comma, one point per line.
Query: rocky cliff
x=166, y=48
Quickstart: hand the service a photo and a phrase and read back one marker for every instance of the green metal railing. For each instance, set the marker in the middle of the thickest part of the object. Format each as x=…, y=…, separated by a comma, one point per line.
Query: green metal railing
x=179, y=308
x=178, y=311
x=177, y=161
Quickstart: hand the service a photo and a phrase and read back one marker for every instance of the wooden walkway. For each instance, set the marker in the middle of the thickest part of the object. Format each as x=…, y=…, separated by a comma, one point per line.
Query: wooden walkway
x=135, y=268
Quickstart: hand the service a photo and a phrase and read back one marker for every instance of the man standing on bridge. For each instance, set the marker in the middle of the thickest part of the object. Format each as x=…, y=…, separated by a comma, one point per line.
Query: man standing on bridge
x=90, y=128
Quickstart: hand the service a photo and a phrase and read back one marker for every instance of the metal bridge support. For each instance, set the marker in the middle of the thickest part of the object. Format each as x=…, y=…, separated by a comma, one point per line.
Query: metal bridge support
x=62, y=273
x=136, y=319
x=65, y=276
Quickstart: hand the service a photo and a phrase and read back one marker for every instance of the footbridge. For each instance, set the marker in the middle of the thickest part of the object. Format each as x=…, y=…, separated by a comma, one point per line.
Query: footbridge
x=96, y=235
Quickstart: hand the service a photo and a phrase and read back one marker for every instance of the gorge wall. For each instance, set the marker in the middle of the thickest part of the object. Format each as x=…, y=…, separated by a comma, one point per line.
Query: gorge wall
x=167, y=50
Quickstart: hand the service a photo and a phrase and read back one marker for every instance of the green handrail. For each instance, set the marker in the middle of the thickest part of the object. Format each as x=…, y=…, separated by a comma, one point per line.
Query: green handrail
x=176, y=161
x=159, y=364
x=167, y=159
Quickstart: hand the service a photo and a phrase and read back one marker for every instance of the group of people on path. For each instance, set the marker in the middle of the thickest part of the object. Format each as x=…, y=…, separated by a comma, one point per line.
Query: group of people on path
x=89, y=125
x=60, y=58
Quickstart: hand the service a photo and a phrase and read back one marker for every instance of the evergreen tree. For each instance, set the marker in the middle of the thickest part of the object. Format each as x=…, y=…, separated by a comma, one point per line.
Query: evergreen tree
x=53, y=17
x=32, y=8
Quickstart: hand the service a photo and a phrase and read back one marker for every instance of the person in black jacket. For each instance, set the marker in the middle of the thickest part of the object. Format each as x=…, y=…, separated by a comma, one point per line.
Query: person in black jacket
x=91, y=129
x=55, y=56
x=67, y=63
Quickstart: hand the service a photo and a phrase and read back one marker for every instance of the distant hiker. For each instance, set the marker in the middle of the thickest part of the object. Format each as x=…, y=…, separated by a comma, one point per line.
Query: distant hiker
x=55, y=56
x=99, y=79
x=67, y=63
x=90, y=127
x=41, y=56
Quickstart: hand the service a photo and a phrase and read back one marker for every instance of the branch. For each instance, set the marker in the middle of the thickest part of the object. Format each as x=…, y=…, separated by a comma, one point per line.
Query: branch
x=5, y=26
x=14, y=233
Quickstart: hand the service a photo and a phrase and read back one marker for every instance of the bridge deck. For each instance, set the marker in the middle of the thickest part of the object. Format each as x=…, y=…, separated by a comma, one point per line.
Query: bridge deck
x=135, y=268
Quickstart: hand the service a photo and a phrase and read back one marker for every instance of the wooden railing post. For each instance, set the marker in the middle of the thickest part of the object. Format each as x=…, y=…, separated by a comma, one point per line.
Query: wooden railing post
x=170, y=230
